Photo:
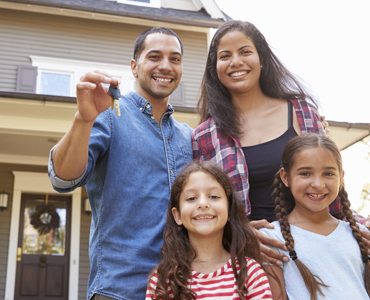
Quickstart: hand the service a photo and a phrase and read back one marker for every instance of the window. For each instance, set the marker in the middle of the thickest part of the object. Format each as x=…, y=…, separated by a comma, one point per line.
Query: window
x=55, y=84
x=150, y=3
x=60, y=76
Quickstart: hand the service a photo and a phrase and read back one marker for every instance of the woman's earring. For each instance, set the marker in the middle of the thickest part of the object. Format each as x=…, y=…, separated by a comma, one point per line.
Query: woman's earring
x=261, y=66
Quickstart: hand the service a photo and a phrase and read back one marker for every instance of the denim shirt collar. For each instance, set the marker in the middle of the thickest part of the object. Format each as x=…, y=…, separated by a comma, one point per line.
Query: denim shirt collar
x=146, y=107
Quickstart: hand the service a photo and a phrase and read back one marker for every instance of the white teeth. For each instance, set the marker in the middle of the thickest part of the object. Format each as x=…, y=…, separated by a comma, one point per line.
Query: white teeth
x=202, y=218
x=162, y=79
x=238, y=74
x=316, y=196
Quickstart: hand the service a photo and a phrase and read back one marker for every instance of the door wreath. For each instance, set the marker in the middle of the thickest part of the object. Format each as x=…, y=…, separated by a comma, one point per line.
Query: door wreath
x=46, y=223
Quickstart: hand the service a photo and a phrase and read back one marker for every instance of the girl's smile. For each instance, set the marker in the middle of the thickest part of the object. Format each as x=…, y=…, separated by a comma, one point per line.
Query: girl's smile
x=316, y=197
x=202, y=217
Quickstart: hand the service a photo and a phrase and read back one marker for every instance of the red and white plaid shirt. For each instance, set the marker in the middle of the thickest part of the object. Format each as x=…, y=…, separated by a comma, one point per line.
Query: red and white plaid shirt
x=210, y=144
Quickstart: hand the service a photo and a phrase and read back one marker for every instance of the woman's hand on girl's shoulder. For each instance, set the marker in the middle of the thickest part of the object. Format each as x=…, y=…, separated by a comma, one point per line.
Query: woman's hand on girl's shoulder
x=269, y=255
x=325, y=124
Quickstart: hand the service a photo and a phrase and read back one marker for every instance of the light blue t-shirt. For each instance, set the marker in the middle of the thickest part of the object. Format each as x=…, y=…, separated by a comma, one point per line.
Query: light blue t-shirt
x=335, y=258
x=131, y=166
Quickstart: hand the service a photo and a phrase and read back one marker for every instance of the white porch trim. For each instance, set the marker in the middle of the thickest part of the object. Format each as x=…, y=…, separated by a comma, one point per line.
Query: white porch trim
x=32, y=182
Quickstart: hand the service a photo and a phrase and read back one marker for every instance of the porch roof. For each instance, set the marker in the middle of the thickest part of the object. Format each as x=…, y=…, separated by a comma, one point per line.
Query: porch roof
x=196, y=18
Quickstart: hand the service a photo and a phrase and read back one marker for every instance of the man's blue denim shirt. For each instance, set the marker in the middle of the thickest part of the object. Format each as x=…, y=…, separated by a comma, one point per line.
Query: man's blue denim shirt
x=131, y=167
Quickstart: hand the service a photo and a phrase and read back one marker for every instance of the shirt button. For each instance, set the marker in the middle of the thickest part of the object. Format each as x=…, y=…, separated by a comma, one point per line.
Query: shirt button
x=152, y=117
x=148, y=105
x=171, y=172
x=141, y=108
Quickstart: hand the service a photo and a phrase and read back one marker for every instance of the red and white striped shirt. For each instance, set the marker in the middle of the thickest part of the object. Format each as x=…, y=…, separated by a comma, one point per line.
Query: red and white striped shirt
x=221, y=284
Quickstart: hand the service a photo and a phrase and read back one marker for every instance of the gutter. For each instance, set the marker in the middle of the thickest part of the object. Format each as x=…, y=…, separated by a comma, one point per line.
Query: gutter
x=130, y=11
x=65, y=99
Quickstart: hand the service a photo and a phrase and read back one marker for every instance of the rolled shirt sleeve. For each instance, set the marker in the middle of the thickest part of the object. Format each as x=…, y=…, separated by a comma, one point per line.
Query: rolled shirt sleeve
x=60, y=185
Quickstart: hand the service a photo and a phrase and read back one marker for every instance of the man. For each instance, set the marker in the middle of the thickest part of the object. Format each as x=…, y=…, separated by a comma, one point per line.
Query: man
x=128, y=164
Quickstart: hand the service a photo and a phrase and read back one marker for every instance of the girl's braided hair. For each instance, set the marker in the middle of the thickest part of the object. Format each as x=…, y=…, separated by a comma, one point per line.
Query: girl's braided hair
x=294, y=146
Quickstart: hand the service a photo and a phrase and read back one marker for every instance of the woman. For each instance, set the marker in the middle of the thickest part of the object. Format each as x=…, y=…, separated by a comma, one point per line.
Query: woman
x=250, y=107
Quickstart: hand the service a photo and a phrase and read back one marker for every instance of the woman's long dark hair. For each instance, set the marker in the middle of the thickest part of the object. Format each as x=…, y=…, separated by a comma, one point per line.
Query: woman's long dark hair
x=294, y=146
x=276, y=80
x=177, y=252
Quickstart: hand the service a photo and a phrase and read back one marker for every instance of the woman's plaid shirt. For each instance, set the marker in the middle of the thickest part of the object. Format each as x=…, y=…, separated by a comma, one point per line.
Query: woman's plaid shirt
x=210, y=144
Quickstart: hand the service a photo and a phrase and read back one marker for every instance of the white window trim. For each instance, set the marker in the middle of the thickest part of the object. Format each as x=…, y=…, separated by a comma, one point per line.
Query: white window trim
x=153, y=3
x=77, y=68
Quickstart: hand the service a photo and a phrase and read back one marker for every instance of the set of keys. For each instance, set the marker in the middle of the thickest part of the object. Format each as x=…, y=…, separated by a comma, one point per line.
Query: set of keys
x=115, y=94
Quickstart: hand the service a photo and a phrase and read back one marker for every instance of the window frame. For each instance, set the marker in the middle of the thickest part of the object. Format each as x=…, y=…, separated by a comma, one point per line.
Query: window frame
x=77, y=68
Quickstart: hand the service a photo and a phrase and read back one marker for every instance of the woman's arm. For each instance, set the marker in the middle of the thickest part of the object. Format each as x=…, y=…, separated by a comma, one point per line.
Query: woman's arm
x=197, y=154
x=306, y=118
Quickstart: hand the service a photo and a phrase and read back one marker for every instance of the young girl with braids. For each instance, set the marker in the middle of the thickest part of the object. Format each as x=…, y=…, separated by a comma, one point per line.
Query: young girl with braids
x=209, y=250
x=328, y=259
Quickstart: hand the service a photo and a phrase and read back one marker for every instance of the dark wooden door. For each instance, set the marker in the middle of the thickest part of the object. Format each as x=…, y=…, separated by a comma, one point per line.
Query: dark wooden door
x=43, y=248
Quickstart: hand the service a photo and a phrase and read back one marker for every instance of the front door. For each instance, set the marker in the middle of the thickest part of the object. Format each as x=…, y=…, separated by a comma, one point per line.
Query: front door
x=43, y=248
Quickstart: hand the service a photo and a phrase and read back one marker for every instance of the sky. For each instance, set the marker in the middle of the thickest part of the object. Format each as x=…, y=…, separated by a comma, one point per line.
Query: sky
x=326, y=43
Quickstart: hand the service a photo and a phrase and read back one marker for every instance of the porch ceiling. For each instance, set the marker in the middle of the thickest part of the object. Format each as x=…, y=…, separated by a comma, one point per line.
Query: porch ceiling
x=30, y=128
x=346, y=134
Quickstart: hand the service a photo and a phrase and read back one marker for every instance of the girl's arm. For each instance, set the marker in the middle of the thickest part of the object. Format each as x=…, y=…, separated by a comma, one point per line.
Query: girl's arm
x=277, y=287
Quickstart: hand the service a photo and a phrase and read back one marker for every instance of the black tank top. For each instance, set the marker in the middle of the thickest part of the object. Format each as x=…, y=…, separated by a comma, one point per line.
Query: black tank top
x=263, y=161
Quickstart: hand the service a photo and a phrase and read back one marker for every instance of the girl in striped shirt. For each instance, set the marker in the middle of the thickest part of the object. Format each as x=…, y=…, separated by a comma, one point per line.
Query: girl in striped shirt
x=209, y=250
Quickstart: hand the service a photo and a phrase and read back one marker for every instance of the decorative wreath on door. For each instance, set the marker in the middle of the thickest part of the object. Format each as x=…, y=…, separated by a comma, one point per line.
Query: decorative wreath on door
x=48, y=222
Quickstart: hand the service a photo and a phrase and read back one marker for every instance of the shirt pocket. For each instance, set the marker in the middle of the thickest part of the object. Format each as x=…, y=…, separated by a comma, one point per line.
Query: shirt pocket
x=187, y=153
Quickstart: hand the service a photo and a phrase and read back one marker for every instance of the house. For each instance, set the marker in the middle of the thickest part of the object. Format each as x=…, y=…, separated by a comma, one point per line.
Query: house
x=45, y=47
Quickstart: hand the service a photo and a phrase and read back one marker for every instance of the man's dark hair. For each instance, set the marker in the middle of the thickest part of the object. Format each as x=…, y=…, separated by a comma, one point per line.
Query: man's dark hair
x=140, y=40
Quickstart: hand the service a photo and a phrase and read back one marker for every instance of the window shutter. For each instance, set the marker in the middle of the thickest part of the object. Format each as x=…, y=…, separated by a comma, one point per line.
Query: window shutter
x=26, y=79
x=177, y=97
